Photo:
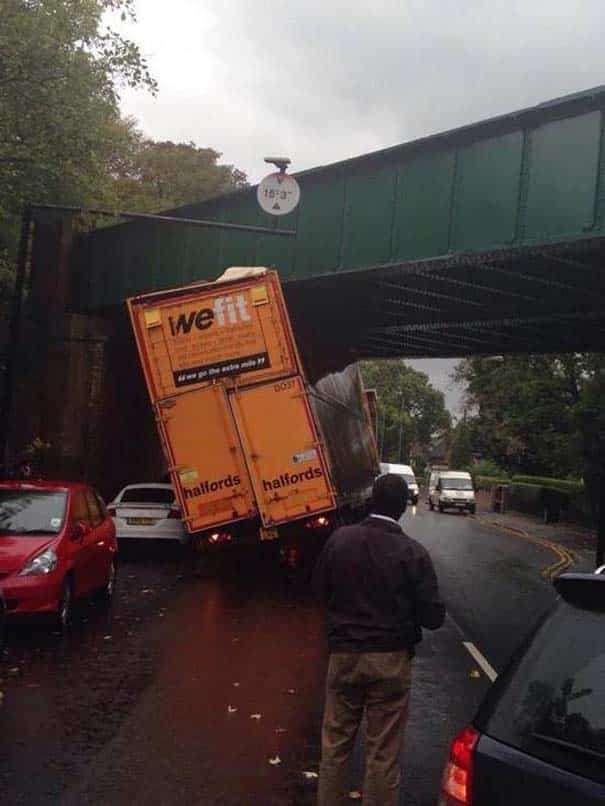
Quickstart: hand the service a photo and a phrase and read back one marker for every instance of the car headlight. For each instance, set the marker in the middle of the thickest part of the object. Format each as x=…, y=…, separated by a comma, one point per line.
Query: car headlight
x=41, y=564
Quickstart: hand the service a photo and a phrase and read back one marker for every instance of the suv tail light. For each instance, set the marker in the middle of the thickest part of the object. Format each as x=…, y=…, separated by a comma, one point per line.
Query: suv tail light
x=174, y=512
x=457, y=783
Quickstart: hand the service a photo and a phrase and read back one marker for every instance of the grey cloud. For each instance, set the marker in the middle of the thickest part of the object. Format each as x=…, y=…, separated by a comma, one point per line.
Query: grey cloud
x=325, y=81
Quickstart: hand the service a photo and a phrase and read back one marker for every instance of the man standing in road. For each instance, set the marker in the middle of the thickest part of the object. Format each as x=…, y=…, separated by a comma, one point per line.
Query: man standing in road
x=380, y=588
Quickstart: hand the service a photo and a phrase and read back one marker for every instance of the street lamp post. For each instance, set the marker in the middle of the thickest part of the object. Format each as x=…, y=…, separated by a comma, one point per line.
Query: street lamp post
x=400, y=451
x=600, y=558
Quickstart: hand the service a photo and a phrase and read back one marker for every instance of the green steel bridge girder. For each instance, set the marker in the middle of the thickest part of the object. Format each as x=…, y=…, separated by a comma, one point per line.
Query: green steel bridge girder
x=488, y=238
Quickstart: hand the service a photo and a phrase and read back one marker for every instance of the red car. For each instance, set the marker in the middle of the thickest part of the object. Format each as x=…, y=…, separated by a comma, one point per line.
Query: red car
x=57, y=543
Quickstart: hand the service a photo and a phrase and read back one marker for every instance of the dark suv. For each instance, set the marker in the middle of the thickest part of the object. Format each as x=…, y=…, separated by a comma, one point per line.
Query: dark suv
x=539, y=736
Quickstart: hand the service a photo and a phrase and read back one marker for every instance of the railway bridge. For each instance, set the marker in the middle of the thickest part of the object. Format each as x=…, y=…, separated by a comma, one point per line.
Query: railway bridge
x=487, y=239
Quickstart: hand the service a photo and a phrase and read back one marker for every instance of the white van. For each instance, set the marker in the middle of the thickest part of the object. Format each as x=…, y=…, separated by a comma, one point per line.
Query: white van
x=408, y=476
x=452, y=489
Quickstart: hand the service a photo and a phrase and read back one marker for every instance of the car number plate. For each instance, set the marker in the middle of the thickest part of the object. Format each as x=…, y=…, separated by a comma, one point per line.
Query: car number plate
x=141, y=521
x=268, y=534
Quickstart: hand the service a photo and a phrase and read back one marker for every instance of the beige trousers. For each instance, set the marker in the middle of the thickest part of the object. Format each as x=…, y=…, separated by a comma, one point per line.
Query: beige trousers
x=379, y=684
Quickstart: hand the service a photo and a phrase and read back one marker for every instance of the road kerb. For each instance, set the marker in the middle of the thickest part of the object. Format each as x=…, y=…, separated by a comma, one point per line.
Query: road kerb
x=565, y=557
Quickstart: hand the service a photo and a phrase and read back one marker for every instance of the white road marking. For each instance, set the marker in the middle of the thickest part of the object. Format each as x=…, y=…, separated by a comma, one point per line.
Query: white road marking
x=485, y=665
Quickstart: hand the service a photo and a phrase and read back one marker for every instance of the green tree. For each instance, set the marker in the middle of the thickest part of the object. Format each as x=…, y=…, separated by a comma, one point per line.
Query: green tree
x=160, y=175
x=461, y=451
x=536, y=414
x=61, y=68
x=410, y=410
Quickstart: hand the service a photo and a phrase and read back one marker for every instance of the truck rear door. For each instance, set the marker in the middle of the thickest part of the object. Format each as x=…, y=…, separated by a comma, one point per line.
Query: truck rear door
x=286, y=461
x=207, y=465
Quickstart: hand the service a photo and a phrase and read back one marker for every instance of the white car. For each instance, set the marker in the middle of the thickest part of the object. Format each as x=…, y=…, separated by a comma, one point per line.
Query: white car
x=408, y=476
x=147, y=512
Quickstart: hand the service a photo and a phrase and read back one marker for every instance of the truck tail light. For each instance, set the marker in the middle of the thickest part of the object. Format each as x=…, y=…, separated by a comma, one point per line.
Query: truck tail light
x=457, y=783
x=219, y=537
x=318, y=523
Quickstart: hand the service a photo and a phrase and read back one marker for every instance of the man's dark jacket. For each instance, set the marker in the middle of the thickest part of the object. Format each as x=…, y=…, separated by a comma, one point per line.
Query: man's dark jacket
x=379, y=586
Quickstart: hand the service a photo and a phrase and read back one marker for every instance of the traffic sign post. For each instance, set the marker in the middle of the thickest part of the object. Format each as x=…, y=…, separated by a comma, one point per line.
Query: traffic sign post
x=278, y=193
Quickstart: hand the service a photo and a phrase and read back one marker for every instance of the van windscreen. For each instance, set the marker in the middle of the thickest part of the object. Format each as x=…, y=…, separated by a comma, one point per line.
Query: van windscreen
x=459, y=483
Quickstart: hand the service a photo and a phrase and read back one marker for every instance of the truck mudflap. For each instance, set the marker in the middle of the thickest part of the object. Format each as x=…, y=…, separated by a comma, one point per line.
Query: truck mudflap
x=195, y=426
x=285, y=458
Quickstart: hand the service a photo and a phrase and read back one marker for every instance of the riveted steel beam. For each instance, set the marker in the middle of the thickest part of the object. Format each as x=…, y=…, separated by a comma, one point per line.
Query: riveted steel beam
x=570, y=316
x=426, y=293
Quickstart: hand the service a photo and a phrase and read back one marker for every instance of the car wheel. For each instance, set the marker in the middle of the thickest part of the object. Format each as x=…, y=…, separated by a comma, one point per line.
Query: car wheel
x=110, y=585
x=472, y=510
x=441, y=507
x=66, y=600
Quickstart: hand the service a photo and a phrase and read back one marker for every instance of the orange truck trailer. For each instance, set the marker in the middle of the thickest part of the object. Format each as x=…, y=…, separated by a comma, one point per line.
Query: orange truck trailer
x=254, y=451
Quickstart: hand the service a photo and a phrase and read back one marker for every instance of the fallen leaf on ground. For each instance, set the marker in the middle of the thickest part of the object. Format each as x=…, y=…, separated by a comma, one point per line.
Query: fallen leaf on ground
x=281, y=730
x=107, y=637
x=475, y=673
x=291, y=691
x=275, y=761
x=236, y=685
x=310, y=775
x=354, y=795
x=231, y=709
x=255, y=716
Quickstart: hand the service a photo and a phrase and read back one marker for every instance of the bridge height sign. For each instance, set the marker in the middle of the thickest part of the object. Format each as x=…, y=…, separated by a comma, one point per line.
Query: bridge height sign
x=278, y=193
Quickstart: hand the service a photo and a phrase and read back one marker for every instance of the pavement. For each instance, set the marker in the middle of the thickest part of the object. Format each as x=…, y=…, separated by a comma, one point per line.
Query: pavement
x=577, y=543
x=207, y=688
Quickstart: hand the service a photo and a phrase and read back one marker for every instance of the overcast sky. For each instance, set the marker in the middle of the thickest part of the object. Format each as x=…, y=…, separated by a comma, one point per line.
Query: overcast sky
x=322, y=80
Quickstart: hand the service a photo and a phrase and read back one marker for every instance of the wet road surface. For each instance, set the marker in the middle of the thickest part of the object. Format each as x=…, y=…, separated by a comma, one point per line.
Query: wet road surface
x=491, y=579
x=190, y=685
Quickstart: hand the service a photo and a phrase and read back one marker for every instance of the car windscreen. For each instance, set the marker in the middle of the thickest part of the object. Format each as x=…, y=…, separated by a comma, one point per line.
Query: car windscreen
x=28, y=512
x=553, y=704
x=456, y=484
x=147, y=495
